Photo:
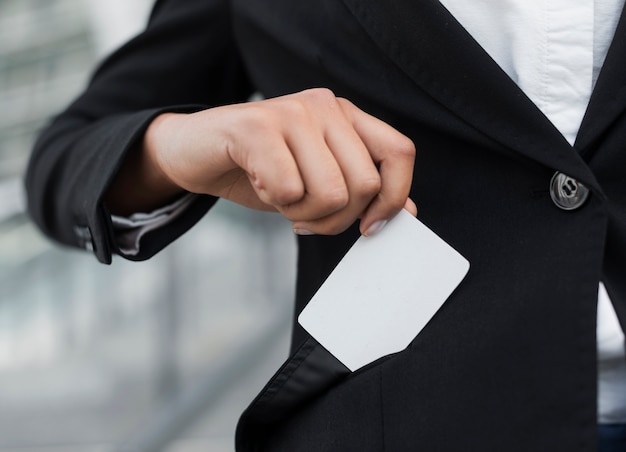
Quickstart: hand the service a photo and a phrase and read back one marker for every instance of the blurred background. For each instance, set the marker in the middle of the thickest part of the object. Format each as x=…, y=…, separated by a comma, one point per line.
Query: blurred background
x=154, y=356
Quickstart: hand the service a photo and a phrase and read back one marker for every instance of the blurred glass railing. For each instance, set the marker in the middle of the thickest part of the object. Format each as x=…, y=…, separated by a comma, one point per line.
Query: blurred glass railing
x=158, y=355
x=129, y=356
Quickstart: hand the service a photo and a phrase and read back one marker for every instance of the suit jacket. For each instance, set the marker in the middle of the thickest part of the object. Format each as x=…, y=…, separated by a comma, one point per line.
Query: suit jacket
x=509, y=362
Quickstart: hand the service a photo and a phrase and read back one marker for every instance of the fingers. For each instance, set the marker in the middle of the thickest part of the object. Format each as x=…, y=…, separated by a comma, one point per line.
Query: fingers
x=288, y=162
x=410, y=207
x=394, y=154
x=360, y=178
x=326, y=190
x=275, y=174
x=352, y=166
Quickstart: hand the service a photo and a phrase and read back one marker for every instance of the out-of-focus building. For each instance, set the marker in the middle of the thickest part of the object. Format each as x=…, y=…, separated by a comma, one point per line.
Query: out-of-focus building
x=46, y=49
x=160, y=355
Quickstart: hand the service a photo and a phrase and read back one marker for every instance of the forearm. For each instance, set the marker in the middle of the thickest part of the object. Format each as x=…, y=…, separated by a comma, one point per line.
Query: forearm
x=82, y=164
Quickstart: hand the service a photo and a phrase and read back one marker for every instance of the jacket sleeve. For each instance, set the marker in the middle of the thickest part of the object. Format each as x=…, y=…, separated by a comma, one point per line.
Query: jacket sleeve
x=184, y=61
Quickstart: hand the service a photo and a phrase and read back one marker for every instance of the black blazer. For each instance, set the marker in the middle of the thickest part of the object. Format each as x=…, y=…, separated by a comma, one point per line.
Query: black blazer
x=509, y=362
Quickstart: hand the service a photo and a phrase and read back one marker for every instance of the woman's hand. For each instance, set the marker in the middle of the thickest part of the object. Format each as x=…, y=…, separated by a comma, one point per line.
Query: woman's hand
x=315, y=158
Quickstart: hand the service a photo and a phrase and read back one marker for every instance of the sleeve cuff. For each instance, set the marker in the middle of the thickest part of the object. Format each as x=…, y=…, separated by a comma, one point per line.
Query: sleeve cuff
x=128, y=231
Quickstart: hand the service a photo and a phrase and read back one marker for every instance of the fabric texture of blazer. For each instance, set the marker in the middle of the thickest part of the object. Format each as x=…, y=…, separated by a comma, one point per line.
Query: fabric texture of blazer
x=509, y=362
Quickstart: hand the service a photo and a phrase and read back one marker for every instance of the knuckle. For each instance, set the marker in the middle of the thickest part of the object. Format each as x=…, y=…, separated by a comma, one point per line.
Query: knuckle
x=320, y=97
x=335, y=199
x=371, y=185
x=287, y=193
x=295, y=108
x=404, y=147
x=345, y=104
x=320, y=93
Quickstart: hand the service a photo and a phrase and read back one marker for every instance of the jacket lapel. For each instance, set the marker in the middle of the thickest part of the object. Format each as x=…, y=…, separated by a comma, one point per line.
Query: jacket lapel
x=608, y=100
x=431, y=47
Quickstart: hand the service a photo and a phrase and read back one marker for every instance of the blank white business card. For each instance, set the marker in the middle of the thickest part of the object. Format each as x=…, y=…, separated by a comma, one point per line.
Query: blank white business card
x=383, y=292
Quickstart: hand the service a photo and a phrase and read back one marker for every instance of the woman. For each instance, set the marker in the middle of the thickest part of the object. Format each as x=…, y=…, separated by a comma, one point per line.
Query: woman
x=488, y=99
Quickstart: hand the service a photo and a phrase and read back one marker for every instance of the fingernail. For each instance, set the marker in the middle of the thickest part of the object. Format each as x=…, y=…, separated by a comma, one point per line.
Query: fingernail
x=301, y=231
x=375, y=227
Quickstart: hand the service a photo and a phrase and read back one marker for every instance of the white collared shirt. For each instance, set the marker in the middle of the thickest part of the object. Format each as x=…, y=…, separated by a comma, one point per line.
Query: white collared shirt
x=554, y=50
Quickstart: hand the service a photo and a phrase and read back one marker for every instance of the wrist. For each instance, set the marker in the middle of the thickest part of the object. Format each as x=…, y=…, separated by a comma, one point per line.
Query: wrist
x=141, y=184
x=153, y=155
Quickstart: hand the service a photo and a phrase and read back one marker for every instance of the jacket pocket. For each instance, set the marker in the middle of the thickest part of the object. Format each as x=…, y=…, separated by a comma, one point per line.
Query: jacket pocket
x=308, y=374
